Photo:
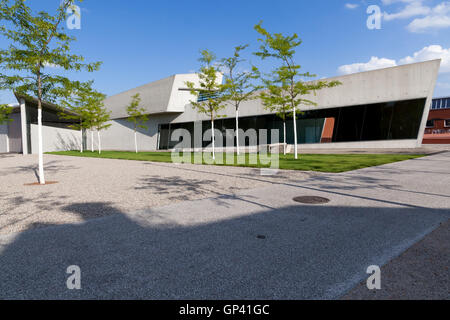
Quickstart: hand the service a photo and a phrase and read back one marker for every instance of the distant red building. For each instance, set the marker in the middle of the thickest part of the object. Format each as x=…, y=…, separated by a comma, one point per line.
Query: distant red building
x=438, y=125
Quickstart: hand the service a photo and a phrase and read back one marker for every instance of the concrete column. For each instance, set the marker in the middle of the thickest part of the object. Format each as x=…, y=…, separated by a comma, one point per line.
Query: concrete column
x=23, y=119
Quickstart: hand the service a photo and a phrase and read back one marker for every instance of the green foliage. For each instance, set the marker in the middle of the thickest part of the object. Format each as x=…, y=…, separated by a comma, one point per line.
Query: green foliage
x=136, y=114
x=5, y=111
x=239, y=85
x=86, y=107
x=286, y=87
x=100, y=116
x=39, y=49
x=208, y=86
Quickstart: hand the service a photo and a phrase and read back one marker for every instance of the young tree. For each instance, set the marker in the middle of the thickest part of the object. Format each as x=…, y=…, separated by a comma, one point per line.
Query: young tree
x=137, y=116
x=100, y=118
x=209, y=89
x=288, y=76
x=82, y=103
x=274, y=101
x=39, y=49
x=5, y=111
x=239, y=85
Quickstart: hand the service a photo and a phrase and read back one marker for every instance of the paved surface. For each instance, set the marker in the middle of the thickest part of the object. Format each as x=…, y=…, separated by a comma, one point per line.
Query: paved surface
x=249, y=244
x=125, y=185
x=421, y=272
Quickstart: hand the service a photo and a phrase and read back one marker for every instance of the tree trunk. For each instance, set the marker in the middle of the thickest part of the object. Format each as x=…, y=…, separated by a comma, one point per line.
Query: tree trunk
x=92, y=140
x=284, y=136
x=237, y=131
x=40, y=151
x=41, y=155
x=213, y=139
x=99, y=142
x=81, y=145
x=295, y=134
x=135, y=140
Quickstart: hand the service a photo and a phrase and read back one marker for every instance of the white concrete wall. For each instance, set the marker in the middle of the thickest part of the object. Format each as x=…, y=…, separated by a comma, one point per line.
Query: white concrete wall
x=4, y=143
x=406, y=82
x=120, y=136
x=15, y=133
x=55, y=139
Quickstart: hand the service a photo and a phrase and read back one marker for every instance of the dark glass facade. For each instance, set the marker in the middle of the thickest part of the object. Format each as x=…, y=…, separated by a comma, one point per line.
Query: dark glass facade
x=372, y=122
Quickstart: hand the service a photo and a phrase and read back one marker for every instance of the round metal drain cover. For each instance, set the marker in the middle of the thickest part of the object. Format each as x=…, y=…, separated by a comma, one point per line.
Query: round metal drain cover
x=311, y=200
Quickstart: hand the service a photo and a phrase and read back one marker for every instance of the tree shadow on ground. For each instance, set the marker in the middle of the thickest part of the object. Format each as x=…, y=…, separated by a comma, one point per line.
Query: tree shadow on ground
x=53, y=166
x=333, y=183
x=307, y=252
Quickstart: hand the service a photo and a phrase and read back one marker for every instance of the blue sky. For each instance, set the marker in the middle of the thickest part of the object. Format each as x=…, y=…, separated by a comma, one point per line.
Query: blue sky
x=140, y=41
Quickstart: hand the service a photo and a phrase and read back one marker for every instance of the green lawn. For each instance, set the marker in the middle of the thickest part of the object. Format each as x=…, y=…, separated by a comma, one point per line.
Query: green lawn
x=306, y=162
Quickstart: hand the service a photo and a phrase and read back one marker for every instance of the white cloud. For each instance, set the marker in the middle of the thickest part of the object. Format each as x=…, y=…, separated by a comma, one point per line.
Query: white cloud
x=51, y=65
x=389, y=2
x=428, y=53
x=413, y=9
x=373, y=64
x=351, y=6
x=426, y=18
x=439, y=18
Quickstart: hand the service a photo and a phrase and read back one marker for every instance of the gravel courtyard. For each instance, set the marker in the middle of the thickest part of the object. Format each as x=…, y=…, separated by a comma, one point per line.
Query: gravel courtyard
x=241, y=237
x=124, y=185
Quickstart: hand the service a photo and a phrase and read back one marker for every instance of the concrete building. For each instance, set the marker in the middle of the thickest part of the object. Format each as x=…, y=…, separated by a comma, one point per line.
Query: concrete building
x=386, y=108
x=437, y=129
x=20, y=135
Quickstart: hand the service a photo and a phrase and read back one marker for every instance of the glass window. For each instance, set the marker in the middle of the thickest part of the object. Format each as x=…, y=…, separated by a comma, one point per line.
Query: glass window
x=447, y=123
x=381, y=121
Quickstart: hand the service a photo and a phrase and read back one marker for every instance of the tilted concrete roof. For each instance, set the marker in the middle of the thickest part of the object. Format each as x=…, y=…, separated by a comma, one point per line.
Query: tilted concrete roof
x=162, y=96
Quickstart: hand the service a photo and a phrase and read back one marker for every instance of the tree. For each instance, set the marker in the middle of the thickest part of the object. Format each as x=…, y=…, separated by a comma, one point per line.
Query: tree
x=288, y=76
x=5, y=111
x=238, y=85
x=100, y=118
x=39, y=49
x=136, y=116
x=274, y=100
x=210, y=91
x=82, y=103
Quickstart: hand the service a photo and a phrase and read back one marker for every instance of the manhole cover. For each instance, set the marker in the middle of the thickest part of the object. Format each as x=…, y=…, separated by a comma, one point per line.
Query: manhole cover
x=311, y=200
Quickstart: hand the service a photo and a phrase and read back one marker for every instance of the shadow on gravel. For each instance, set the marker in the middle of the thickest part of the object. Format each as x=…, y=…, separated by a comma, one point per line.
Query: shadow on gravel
x=336, y=184
x=296, y=252
x=50, y=166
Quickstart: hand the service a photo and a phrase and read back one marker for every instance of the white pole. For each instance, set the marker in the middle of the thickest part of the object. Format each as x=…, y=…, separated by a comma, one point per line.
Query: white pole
x=41, y=155
x=135, y=141
x=92, y=140
x=295, y=135
x=213, y=140
x=99, y=143
x=237, y=131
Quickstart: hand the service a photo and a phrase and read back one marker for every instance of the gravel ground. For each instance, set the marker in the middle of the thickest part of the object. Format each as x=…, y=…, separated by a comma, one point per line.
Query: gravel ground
x=124, y=185
x=421, y=272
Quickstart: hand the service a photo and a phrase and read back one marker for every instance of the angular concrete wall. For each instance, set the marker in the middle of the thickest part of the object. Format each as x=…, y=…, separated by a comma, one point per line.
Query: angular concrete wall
x=171, y=105
x=55, y=139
